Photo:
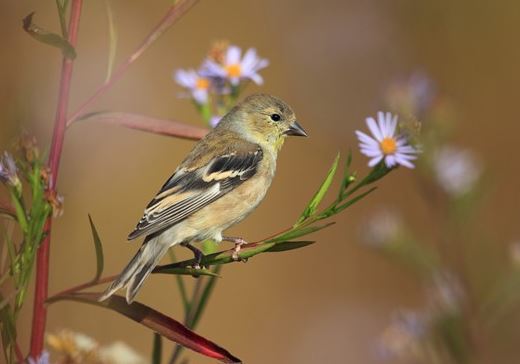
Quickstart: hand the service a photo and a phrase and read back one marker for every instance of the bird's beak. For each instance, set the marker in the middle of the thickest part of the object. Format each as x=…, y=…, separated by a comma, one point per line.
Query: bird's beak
x=296, y=130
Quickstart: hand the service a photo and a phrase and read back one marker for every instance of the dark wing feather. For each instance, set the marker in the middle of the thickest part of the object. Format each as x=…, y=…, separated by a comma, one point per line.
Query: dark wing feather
x=188, y=191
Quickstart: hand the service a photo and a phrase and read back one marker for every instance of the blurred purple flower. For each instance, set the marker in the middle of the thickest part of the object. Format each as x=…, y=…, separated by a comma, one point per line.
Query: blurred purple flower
x=404, y=335
x=414, y=94
x=234, y=67
x=8, y=170
x=43, y=359
x=385, y=144
x=382, y=229
x=446, y=293
x=456, y=170
x=195, y=83
x=214, y=120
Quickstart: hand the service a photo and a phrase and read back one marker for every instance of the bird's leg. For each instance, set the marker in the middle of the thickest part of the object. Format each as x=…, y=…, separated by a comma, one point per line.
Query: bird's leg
x=198, y=255
x=238, y=245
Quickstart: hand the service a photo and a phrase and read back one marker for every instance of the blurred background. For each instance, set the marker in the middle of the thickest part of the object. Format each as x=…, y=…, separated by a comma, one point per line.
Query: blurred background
x=332, y=61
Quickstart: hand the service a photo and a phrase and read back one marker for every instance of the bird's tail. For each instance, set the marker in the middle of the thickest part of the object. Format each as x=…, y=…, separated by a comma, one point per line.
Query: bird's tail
x=137, y=270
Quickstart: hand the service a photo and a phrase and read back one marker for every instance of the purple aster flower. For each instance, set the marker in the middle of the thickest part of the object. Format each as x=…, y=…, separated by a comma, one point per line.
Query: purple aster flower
x=214, y=120
x=457, y=170
x=8, y=170
x=195, y=83
x=385, y=145
x=43, y=359
x=235, y=67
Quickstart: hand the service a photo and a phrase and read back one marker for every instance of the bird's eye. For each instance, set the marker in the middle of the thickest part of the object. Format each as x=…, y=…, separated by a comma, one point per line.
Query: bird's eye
x=275, y=117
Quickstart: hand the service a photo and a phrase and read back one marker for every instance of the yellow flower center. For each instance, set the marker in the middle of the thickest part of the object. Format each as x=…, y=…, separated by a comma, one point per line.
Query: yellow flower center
x=202, y=83
x=233, y=70
x=388, y=145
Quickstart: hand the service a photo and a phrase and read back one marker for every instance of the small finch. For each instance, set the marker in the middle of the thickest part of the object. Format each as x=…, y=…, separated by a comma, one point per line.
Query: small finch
x=218, y=184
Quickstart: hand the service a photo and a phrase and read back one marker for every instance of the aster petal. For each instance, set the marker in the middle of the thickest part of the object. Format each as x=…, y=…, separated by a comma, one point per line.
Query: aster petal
x=392, y=120
x=381, y=122
x=374, y=128
x=406, y=156
x=249, y=61
x=256, y=78
x=370, y=152
x=260, y=64
x=201, y=96
x=390, y=161
x=406, y=149
x=364, y=138
x=211, y=68
x=404, y=162
x=233, y=55
x=375, y=161
x=185, y=78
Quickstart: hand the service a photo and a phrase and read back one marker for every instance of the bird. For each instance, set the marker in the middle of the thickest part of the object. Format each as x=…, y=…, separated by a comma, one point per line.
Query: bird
x=220, y=182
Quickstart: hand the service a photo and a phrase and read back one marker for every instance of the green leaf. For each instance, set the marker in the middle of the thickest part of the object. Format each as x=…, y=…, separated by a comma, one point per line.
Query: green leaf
x=187, y=272
x=99, y=250
x=289, y=245
x=156, y=321
x=62, y=13
x=180, y=284
x=297, y=232
x=204, y=299
x=351, y=202
x=348, y=178
x=112, y=36
x=318, y=196
x=8, y=331
x=49, y=38
x=157, y=348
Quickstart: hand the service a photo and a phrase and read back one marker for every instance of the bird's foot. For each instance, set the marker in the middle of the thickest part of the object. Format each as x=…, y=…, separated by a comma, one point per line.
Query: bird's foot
x=197, y=255
x=238, y=246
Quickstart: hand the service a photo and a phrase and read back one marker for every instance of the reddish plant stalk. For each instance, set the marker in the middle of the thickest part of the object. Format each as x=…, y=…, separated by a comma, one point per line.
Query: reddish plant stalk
x=174, y=13
x=60, y=124
x=18, y=353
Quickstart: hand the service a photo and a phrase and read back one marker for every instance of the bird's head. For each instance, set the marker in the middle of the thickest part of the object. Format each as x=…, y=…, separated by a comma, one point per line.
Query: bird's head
x=265, y=120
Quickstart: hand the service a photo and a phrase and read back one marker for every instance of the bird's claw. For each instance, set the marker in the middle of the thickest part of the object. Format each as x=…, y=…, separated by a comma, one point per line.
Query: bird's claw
x=238, y=246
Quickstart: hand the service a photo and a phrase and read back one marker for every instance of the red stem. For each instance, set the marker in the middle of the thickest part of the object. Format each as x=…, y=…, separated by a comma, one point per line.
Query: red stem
x=42, y=262
x=174, y=13
x=18, y=353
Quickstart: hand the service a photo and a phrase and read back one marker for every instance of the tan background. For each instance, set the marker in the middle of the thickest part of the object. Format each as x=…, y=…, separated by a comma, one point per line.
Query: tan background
x=330, y=60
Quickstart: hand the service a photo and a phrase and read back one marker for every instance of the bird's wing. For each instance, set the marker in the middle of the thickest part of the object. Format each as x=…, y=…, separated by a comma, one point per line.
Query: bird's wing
x=188, y=191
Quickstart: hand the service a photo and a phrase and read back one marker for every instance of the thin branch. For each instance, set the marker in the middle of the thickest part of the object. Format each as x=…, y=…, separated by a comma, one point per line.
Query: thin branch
x=83, y=286
x=149, y=124
x=174, y=13
x=18, y=353
x=42, y=263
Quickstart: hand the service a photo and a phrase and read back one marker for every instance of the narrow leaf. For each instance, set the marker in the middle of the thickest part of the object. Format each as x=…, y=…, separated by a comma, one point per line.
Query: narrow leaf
x=49, y=38
x=62, y=13
x=99, y=250
x=348, y=178
x=149, y=124
x=318, y=196
x=112, y=37
x=296, y=233
x=180, y=284
x=289, y=245
x=247, y=251
x=354, y=200
x=188, y=272
x=157, y=348
x=156, y=321
x=204, y=298
x=224, y=257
